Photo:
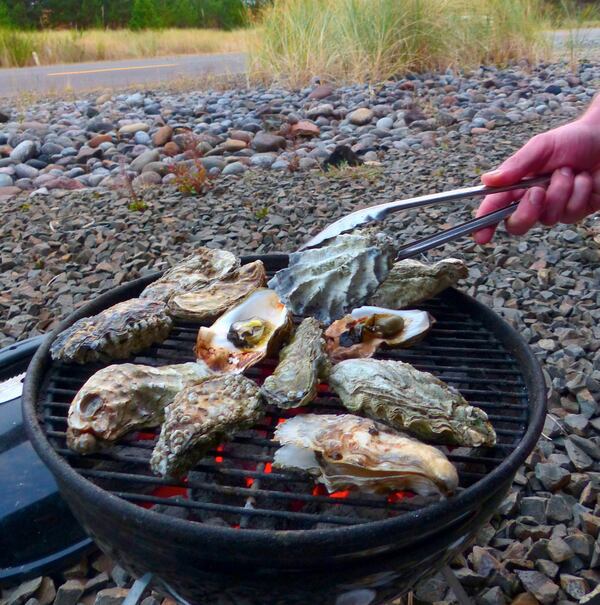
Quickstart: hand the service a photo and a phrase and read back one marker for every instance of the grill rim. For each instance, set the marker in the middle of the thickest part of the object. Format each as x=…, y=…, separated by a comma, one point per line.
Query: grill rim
x=433, y=518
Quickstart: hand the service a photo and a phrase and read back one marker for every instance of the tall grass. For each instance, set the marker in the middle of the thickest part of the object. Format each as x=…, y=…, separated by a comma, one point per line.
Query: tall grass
x=358, y=40
x=70, y=46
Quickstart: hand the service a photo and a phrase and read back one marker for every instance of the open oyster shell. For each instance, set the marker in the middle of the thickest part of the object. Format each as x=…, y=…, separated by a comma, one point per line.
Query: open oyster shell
x=328, y=282
x=204, y=413
x=123, y=397
x=115, y=333
x=362, y=332
x=410, y=282
x=247, y=333
x=206, y=302
x=301, y=363
x=408, y=399
x=201, y=268
x=349, y=452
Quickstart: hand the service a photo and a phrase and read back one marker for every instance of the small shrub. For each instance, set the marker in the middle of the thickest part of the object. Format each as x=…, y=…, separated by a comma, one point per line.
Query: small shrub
x=191, y=177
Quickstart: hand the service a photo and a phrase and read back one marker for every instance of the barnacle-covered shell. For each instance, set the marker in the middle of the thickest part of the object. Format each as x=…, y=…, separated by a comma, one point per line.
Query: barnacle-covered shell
x=346, y=452
x=301, y=363
x=328, y=282
x=410, y=282
x=261, y=319
x=201, y=268
x=123, y=397
x=362, y=332
x=408, y=399
x=115, y=333
x=206, y=302
x=204, y=413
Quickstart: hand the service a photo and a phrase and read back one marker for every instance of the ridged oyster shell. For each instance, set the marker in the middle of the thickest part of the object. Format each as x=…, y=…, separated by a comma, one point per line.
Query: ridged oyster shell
x=346, y=452
x=115, y=333
x=207, y=301
x=204, y=413
x=410, y=400
x=301, y=363
x=410, y=282
x=123, y=397
x=221, y=354
x=328, y=282
x=362, y=332
x=201, y=268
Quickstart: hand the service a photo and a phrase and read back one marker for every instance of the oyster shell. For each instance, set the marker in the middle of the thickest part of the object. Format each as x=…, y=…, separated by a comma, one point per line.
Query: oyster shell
x=202, y=414
x=408, y=399
x=207, y=301
x=115, y=333
x=362, y=332
x=410, y=282
x=347, y=451
x=201, y=268
x=301, y=363
x=245, y=334
x=123, y=397
x=328, y=282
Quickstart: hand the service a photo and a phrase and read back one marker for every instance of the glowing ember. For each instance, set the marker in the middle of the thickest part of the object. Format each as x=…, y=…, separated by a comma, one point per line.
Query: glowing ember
x=249, y=481
x=219, y=459
x=144, y=436
x=398, y=496
x=341, y=494
x=268, y=467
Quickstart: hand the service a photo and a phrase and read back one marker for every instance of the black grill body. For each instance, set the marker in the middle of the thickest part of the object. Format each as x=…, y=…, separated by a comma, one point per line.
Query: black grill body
x=240, y=532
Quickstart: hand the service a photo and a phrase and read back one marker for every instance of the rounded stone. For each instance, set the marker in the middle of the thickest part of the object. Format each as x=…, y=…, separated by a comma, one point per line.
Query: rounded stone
x=5, y=180
x=142, y=138
x=361, y=116
x=235, y=168
x=385, y=123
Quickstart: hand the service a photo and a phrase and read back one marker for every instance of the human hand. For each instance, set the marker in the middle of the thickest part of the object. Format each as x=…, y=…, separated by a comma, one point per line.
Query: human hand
x=572, y=154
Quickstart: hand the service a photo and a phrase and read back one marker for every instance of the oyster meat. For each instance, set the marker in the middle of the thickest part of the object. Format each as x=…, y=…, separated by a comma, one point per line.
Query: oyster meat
x=410, y=282
x=204, y=413
x=362, y=332
x=407, y=399
x=349, y=452
x=206, y=302
x=115, y=333
x=328, y=282
x=301, y=363
x=201, y=268
x=247, y=333
x=123, y=397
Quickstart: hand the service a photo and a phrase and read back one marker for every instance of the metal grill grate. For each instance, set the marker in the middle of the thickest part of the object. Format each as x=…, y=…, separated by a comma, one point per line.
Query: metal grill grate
x=235, y=484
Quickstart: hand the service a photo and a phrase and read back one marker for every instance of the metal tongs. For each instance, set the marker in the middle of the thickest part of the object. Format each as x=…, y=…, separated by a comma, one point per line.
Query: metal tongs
x=379, y=212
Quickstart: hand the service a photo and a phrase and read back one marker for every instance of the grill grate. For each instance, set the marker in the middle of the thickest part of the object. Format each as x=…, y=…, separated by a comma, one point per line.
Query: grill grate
x=235, y=484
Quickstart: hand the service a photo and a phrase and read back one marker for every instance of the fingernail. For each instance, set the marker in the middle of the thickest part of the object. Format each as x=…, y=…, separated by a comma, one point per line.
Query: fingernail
x=536, y=197
x=492, y=173
x=566, y=171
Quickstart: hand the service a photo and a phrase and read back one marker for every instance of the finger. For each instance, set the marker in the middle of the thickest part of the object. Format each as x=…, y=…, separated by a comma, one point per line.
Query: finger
x=528, y=212
x=577, y=206
x=489, y=204
x=557, y=195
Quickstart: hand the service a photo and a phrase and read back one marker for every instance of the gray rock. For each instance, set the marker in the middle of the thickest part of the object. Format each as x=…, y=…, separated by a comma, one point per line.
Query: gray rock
x=111, y=596
x=385, y=123
x=263, y=160
x=559, y=550
x=559, y=509
x=142, y=138
x=431, y=590
x=23, y=171
x=5, y=180
x=361, y=116
x=552, y=476
x=492, y=596
x=575, y=587
x=69, y=593
x=24, y=151
x=234, y=168
x=541, y=587
x=592, y=597
x=23, y=592
x=548, y=568
x=581, y=461
x=147, y=179
x=144, y=158
x=264, y=142
x=534, y=507
x=213, y=162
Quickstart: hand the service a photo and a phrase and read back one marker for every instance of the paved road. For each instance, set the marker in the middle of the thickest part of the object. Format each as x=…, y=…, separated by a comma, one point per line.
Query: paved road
x=116, y=74
x=584, y=37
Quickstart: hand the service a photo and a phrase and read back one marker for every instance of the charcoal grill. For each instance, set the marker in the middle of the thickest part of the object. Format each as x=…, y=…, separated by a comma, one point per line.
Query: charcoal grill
x=237, y=530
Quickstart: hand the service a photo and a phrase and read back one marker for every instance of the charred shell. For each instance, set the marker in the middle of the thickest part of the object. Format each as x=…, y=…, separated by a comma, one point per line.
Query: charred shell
x=349, y=452
x=407, y=399
x=115, y=333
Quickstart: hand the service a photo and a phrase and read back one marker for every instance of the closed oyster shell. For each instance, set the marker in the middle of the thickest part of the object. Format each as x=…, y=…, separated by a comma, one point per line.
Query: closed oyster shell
x=349, y=452
x=207, y=301
x=215, y=348
x=115, y=333
x=204, y=413
x=301, y=363
x=410, y=282
x=408, y=399
x=328, y=282
x=123, y=397
x=414, y=326
x=201, y=268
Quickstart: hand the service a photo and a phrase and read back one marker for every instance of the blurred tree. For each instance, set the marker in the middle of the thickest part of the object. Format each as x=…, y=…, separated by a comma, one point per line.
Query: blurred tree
x=145, y=15
x=182, y=13
x=5, y=18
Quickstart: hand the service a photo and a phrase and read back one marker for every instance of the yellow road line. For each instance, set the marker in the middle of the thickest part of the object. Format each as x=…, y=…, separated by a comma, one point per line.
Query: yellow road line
x=97, y=71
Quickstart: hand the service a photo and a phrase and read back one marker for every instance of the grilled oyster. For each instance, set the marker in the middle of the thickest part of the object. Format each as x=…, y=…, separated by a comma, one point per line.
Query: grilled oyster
x=115, y=333
x=245, y=334
x=202, y=414
x=362, y=332
x=207, y=301
x=410, y=282
x=346, y=452
x=201, y=268
x=408, y=399
x=123, y=397
x=328, y=282
x=301, y=364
